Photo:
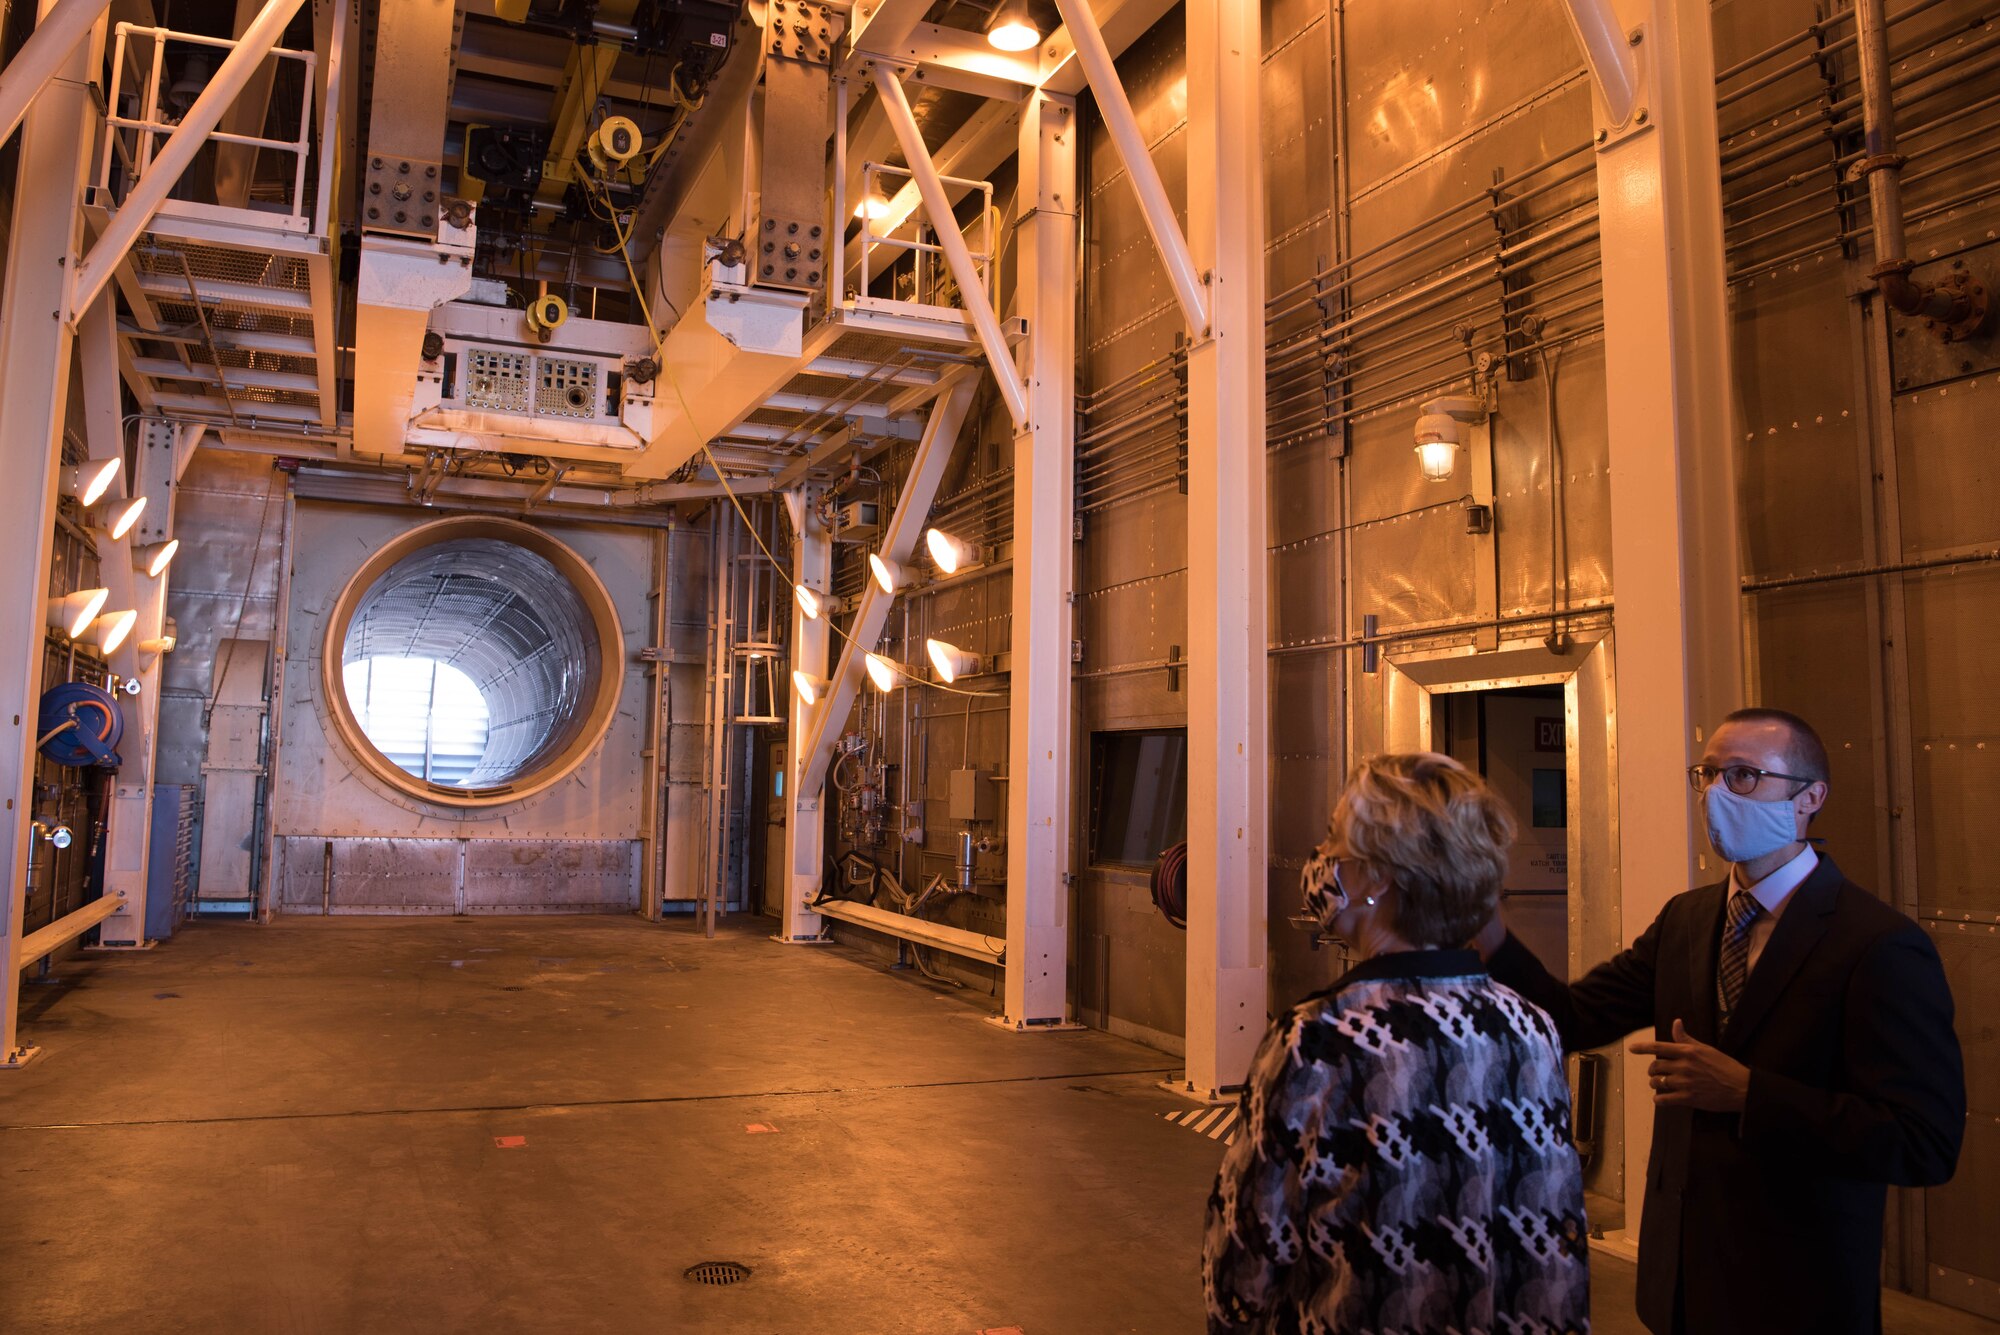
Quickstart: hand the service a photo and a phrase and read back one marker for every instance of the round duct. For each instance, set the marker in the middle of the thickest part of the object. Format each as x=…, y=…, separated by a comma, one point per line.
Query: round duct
x=472, y=661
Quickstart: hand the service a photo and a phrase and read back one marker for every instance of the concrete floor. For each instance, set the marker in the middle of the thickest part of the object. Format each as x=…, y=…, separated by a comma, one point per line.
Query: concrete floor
x=538, y=1124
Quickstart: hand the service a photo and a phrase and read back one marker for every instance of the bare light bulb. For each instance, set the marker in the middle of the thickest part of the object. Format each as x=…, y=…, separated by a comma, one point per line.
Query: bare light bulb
x=88, y=481
x=951, y=661
x=154, y=558
x=809, y=687
x=882, y=672
x=808, y=601
x=888, y=575
x=1012, y=28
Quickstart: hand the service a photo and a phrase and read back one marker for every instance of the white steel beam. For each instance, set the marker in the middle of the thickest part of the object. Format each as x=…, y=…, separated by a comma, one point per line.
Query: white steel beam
x=1154, y=206
x=899, y=542
x=1228, y=737
x=937, y=208
x=47, y=49
x=880, y=24
x=962, y=61
x=94, y=270
x=35, y=346
x=1674, y=524
x=1122, y=22
x=1038, y=711
x=805, y=819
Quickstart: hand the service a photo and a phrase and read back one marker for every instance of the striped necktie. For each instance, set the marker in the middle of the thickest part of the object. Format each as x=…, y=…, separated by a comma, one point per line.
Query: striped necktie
x=1735, y=964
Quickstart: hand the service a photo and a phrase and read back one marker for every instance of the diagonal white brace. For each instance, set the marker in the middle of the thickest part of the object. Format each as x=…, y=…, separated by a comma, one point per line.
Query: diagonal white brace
x=937, y=207
x=94, y=270
x=899, y=542
x=45, y=51
x=1095, y=57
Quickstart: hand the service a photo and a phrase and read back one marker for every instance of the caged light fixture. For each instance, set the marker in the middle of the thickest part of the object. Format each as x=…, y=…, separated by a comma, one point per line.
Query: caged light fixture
x=1441, y=432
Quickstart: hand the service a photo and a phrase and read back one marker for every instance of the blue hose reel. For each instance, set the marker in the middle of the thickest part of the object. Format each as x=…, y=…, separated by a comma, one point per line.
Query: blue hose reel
x=80, y=725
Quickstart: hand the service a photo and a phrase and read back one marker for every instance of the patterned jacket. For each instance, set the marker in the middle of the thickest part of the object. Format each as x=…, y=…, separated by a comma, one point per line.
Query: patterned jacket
x=1403, y=1166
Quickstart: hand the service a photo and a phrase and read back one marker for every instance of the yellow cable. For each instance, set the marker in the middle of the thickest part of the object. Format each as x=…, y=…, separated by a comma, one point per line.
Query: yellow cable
x=659, y=342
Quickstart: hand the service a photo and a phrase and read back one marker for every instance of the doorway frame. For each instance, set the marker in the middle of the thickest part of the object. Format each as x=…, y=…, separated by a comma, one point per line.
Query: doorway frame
x=1413, y=678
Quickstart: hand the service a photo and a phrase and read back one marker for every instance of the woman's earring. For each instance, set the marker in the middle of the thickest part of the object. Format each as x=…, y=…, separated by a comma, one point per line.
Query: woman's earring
x=1370, y=901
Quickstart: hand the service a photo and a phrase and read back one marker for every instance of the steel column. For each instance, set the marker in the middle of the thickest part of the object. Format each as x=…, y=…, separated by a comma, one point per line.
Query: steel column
x=34, y=384
x=1228, y=727
x=1674, y=534
x=805, y=820
x=899, y=542
x=47, y=50
x=937, y=207
x=1123, y=126
x=1039, y=724
x=94, y=270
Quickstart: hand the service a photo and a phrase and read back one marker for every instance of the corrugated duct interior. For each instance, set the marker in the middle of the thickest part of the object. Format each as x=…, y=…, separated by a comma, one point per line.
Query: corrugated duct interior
x=505, y=617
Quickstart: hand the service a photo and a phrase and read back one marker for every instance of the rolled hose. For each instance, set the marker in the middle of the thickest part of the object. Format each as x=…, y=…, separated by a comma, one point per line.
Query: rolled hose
x=80, y=724
x=1170, y=885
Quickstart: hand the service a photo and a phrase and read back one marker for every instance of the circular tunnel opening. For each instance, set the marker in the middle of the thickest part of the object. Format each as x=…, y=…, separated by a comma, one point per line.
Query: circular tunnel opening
x=473, y=661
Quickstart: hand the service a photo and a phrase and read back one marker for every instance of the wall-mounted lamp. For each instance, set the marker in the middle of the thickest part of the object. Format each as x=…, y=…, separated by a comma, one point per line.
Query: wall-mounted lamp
x=73, y=612
x=951, y=661
x=950, y=554
x=116, y=518
x=1441, y=433
x=109, y=630
x=809, y=687
x=1012, y=27
x=888, y=574
x=886, y=675
x=155, y=557
x=89, y=480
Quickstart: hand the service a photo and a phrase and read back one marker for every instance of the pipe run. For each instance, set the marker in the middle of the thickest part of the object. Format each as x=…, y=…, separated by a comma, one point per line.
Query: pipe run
x=1958, y=305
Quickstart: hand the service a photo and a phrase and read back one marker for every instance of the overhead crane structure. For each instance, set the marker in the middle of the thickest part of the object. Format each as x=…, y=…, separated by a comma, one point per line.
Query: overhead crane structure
x=690, y=312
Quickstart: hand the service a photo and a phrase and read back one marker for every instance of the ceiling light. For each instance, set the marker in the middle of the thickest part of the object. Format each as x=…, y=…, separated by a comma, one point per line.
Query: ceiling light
x=871, y=207
x=73, y=612
x=89, y=480
x=1012, y=28
x=951, y=661
x=116, y=518
x=949, y=554
x=155, y=557
x=889, y=575
x=809, y=687
x=883, y=673
x=110, y=629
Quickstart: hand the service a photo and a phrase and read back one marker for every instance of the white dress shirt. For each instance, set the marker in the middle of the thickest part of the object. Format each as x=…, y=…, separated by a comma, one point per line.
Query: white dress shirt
x=1773, y=893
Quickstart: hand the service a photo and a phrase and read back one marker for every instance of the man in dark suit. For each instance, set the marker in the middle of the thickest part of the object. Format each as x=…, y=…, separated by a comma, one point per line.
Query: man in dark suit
x=1804, y=1058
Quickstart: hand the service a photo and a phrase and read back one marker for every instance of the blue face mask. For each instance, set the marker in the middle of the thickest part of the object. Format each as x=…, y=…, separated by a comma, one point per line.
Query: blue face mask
x=1743, y=830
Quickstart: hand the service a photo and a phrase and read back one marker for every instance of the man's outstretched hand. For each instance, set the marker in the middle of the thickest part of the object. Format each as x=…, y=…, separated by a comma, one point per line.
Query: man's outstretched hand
x=1688, y=1073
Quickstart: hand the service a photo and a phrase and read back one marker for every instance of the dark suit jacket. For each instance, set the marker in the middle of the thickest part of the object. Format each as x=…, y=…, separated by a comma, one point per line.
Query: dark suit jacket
x=1772, y=1222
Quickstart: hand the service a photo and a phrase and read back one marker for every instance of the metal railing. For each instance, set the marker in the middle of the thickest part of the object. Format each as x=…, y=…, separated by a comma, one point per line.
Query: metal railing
x=134, y=140
x=929, y=290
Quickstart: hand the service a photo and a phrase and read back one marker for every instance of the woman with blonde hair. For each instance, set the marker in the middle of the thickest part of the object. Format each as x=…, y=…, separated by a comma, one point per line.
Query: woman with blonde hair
x=1404, y=1160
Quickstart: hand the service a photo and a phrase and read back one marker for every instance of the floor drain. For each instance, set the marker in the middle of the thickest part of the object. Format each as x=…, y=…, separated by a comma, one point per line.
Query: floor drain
x=718, y=1273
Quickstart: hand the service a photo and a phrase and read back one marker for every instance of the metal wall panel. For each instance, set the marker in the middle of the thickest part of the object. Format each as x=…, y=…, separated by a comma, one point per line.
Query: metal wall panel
x=1955, y=735
x=551, y=876
x=1948, y=467
x=1963, y=1217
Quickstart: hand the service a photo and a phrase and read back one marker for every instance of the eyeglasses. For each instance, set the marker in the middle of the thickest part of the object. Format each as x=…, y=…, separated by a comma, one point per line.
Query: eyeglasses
x=1741, y=780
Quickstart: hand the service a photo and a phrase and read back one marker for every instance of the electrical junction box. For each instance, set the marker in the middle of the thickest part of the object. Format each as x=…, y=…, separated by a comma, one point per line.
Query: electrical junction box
x=974, y=796
x=860, y=521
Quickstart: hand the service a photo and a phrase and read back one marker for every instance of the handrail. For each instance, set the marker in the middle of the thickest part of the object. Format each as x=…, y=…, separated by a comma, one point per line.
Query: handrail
x=67, y=928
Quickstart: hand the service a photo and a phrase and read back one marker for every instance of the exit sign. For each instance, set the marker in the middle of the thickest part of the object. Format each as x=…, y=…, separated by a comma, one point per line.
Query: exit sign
x=1549, y=734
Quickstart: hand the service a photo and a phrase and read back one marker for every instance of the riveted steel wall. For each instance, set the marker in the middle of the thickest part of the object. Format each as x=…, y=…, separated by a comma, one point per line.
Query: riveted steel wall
x=1869, y=523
